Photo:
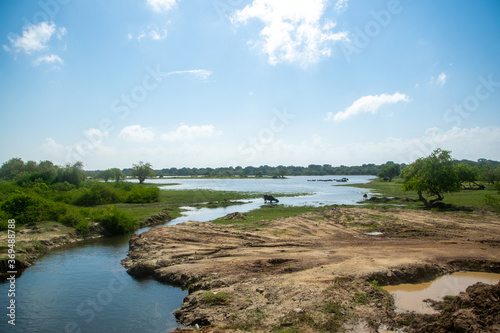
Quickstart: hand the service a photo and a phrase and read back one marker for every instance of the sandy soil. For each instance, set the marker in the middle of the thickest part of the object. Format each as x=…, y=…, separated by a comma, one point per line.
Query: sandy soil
x=312, y=272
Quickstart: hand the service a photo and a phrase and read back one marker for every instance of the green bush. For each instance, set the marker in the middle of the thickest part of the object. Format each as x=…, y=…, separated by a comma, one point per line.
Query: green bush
x=83, y=226
x=492, y=202
x=25, y=209
x=99, y=194
x=215, y=298
x=126, y=186
x=63, y=187
x=115, y=221
x=71, y=220
x=142, y=194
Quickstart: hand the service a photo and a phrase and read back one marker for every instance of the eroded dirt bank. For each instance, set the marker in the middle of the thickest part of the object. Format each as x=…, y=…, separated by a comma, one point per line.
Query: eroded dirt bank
x=312, y=272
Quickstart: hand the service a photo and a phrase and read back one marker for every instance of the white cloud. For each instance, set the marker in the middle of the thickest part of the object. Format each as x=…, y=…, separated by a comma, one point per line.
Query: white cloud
x=201, y=74
x=34, y=37
x=340, y=5
x=440, y=80
x=191, y=133
x=137, y=133
x=294, y=32
x=53, y=148
x=368, y=104
x=157, y=33
x=472, y=143
x=89, y=145
x=154, y=32
x=48, y=59
x=162, y=5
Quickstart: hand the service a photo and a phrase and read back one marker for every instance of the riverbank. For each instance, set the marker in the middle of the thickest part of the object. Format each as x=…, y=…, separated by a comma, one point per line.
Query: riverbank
x=391, y=193
x=314, y=271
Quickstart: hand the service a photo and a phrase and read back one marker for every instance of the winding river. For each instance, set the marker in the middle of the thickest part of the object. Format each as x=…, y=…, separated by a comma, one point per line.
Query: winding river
x=83, y=288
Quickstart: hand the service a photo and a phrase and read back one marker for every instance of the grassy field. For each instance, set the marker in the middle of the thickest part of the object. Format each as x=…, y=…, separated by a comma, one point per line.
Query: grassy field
x=468, y=199
x=170, y=198
x=259, y=218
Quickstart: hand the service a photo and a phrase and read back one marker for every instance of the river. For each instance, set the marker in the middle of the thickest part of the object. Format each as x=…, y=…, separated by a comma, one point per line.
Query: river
x=83, y=288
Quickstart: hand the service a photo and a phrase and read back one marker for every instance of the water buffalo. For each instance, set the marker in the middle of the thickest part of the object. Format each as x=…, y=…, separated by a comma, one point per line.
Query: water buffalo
x=270, y=198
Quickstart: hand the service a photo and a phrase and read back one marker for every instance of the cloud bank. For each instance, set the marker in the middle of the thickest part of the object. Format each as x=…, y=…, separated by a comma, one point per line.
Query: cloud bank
x=368, y=104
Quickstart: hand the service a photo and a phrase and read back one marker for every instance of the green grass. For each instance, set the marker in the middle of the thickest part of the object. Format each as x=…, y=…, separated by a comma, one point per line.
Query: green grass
x=472, y=199
x=258, y=218
x=204, y=195
x=215, y=298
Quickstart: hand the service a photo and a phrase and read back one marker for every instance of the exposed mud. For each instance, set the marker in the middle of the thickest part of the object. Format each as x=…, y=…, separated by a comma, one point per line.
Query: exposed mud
x=312, y=272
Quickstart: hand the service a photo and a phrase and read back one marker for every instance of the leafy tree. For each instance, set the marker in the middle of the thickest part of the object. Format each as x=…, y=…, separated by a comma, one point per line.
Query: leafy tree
x=117, y=174
x=491, y=175
x=468, y=174
x=73, y=174
x=12, y=168
x=106, y=175
x=434, y=175
x=142, y=171
x=389, y=171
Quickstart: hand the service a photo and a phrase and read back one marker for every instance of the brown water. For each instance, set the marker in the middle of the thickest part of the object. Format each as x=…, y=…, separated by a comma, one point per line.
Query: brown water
x=410, y=297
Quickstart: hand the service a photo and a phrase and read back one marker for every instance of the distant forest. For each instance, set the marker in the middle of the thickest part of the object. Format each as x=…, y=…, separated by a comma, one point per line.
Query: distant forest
x=282, y=171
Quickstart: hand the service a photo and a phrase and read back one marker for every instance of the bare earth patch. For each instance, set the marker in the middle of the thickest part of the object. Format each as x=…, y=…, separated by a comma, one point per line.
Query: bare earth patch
x=312, y=272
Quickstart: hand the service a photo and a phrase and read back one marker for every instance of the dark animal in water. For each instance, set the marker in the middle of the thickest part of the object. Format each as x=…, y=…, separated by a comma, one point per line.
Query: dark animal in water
x=270, y=198
x=365, y=196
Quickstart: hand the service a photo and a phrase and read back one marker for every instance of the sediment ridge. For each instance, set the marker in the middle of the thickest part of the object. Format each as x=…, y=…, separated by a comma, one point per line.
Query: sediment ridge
x=312, y=271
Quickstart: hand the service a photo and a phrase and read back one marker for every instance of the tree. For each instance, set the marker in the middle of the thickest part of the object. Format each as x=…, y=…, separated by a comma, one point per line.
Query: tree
x=491, y=175
x=106, y=175
x=468, y=174
x=434, y=175
x=12, y=168
x=73, y=174
x=389, y=171
x=142, y=171
x=117, y=174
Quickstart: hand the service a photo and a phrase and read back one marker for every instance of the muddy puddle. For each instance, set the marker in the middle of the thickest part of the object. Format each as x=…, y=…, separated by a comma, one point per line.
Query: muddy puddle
x=410, y=297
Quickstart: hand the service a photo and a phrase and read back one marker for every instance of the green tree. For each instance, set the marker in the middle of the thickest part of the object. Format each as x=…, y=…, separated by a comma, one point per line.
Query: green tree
x=142, y=171
x=12, y=168
x=389, y=171
x=434, y=175
x=117, y=174
x=106, y=175
x=468, y=174
x=491, y=175
x=73, y=174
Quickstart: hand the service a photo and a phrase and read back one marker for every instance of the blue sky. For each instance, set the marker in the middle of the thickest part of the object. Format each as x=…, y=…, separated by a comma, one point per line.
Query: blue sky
x=230, y=82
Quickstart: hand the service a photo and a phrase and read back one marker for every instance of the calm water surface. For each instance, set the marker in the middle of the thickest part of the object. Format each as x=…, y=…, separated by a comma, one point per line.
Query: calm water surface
x=83, y=288
x=410, y=297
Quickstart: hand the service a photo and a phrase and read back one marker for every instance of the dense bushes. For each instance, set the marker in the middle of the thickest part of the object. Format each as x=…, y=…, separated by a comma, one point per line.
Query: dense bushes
x=115, y=221
x=25, y=208
x=104, y=194
x=99, y=194
x=142, y=194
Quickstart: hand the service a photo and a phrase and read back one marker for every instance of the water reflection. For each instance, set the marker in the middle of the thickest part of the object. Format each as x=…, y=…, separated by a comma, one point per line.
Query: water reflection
x=410, y=297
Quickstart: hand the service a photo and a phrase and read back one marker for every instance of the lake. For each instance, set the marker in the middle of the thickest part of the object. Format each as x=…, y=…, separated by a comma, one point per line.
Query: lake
x=83, y=288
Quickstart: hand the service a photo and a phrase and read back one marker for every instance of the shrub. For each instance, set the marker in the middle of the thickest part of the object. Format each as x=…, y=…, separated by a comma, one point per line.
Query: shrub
x=71, y=220
x=115, y=221
x=63, y=187
x=142, y=194
x=25, y=208
x=492, y=202
x=99, y=194
x=215, y=298
x=83, y=226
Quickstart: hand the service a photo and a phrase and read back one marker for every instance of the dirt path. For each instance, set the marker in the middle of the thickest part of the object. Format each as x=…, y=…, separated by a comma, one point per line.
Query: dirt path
x=311, y=273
